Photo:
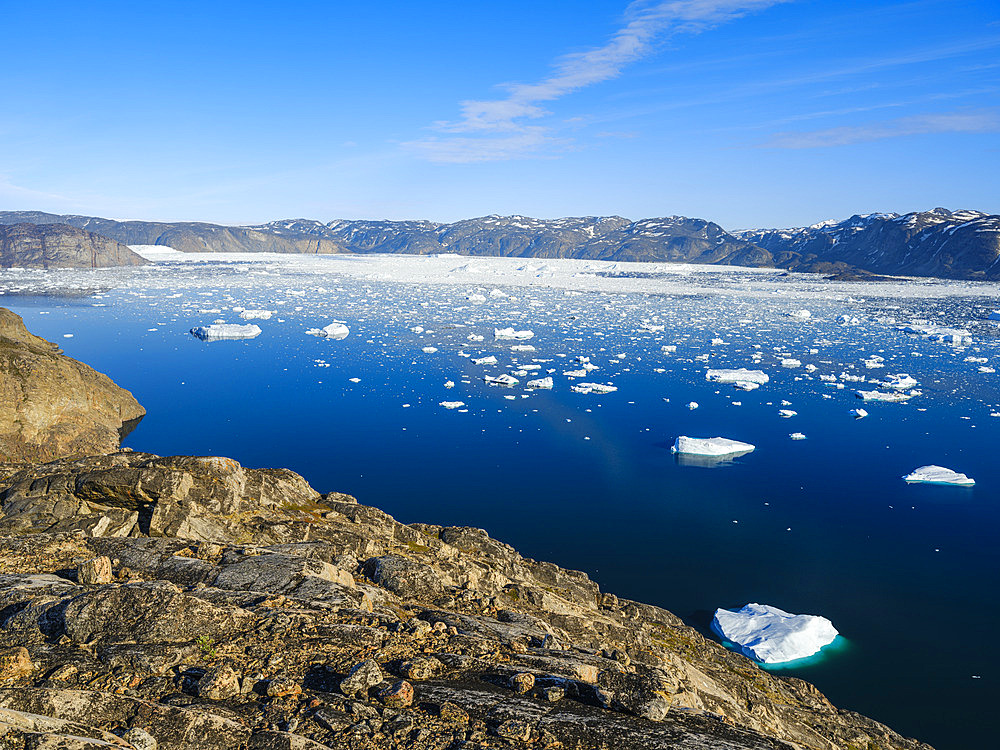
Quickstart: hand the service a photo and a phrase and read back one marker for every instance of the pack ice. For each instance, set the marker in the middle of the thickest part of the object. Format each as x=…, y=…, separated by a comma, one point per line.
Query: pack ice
x=938, y=475
x=219, y=331
x=771, y=635
x=717, y=446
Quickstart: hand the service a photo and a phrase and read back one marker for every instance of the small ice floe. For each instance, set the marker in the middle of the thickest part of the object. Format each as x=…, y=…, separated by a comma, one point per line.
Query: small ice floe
x=352, y=380
x=257, y=314
x=498, y=294
x=797, y=436
x=786, y=413
x=668, y=348
x=938, y=475
x=67, y=335
x=509, y=334
x=800, y=314
x=791, y=362
x=874, y=362
x=575, y=373
x=770, y=635
x=490, y=360
x=540, y=383
x=892, y=398
x=742, y=375
x=593, y=388
x=847, y=320
x=477, y=298
x=522, y=348
x=475, y=337
x=452, y=404
x=717, y=446
x=429, y=349
x=692, y=405
x=449, y=384
x=652, y=328
x=220, y=331
x=417, y=329
x=502, y=379
x=336, y=331
x=858, y=413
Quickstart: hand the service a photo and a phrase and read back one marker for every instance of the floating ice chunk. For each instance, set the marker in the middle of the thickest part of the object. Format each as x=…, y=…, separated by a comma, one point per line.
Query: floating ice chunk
x=417, y=329
x=219, y=331
x=540, y=383
x=717, y=446
x=786, y=413
x=257, y=314
x=336, y=331
x=742, y=375
x=452, y=404
x=668, y=349
x=746, y=386
x=497, y=294
x=594, y=388
x=449, y=384
x=771, y=635
x=475, y=337
x=800, y=314
x=858, y=413
x=650, y=327
x=790, y=362
x=797, y=436
x=847, y=320
x=429, y=349
x=938, y=475
x=522, y=348
x=353, y=380
x=502, y=379
x=477, y=298
x=509, y=334
x=692, y=405
x=893, y=398
x=986, y=370
x=490, y=360
x=575, y=373
x=899, y=382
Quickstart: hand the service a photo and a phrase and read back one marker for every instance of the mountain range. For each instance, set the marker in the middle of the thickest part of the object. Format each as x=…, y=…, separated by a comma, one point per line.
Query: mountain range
x=960, y=244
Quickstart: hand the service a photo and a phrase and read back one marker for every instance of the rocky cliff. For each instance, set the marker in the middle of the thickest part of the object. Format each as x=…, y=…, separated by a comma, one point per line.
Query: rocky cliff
x=188, y=237
x=189, y=602
x=54, y=406
x=27, y=245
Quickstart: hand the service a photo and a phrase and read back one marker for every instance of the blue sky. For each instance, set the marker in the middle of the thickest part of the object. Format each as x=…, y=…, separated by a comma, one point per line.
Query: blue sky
x=746, y=112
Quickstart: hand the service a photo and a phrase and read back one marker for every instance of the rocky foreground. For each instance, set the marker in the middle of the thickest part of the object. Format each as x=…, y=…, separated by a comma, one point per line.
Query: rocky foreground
x=189, y=602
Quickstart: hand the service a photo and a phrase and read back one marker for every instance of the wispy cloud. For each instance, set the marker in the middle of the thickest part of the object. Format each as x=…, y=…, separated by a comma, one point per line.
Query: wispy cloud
x=965, y=121
x=497, y=129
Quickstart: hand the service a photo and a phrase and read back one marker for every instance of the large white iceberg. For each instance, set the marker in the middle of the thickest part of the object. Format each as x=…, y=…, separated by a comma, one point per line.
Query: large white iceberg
x=510, y=334
x=894, y=397
x=741, y=375
x=938, y=475
x=502, y=379
x=594, y=388
x=540, y=383
x=335, y=331
x=771, y=635
x=717, y=446
x=219, y=331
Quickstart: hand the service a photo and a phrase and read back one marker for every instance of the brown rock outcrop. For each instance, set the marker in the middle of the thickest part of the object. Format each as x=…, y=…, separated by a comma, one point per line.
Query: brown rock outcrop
x=54, y=406
x=61, y=246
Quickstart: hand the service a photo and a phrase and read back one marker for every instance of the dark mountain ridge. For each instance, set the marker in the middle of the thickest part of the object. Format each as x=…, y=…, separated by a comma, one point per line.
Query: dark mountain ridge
x=951, y=244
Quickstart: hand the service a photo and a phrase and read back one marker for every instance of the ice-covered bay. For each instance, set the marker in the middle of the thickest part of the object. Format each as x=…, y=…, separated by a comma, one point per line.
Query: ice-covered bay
x=824, y=524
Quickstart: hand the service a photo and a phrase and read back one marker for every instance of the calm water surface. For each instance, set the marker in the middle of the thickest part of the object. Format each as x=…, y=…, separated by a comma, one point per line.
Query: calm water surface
x=908, y=574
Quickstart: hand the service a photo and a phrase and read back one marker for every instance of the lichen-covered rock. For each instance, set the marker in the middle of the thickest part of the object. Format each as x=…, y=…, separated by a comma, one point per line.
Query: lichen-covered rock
x=363, y=675
x=54, y=406
x=96, y=570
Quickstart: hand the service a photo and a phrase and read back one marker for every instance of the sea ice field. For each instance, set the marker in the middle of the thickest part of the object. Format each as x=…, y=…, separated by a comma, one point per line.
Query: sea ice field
x=540, y=399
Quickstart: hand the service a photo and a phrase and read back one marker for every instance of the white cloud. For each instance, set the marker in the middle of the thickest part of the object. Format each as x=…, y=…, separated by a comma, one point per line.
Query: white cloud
x=497, y=129
x=965, y=121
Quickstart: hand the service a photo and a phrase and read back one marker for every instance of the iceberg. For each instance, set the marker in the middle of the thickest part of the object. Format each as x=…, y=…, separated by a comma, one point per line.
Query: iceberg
x=895, y=397
x=502, y=379
x=220, y=331
x=858, y=413
x=770, y=635
x=336, y=331
x=490, y=360
x=540, y=383
x=899, y=382
x=938, y=475
x=742, y=375
x=257, y=314
x=594, y=388
x=717, y=446
x=452, y=404
x=787, y=413
x=509, y=334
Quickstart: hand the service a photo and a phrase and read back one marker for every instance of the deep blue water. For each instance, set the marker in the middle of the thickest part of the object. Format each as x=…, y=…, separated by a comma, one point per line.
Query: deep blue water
x=907, y=573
